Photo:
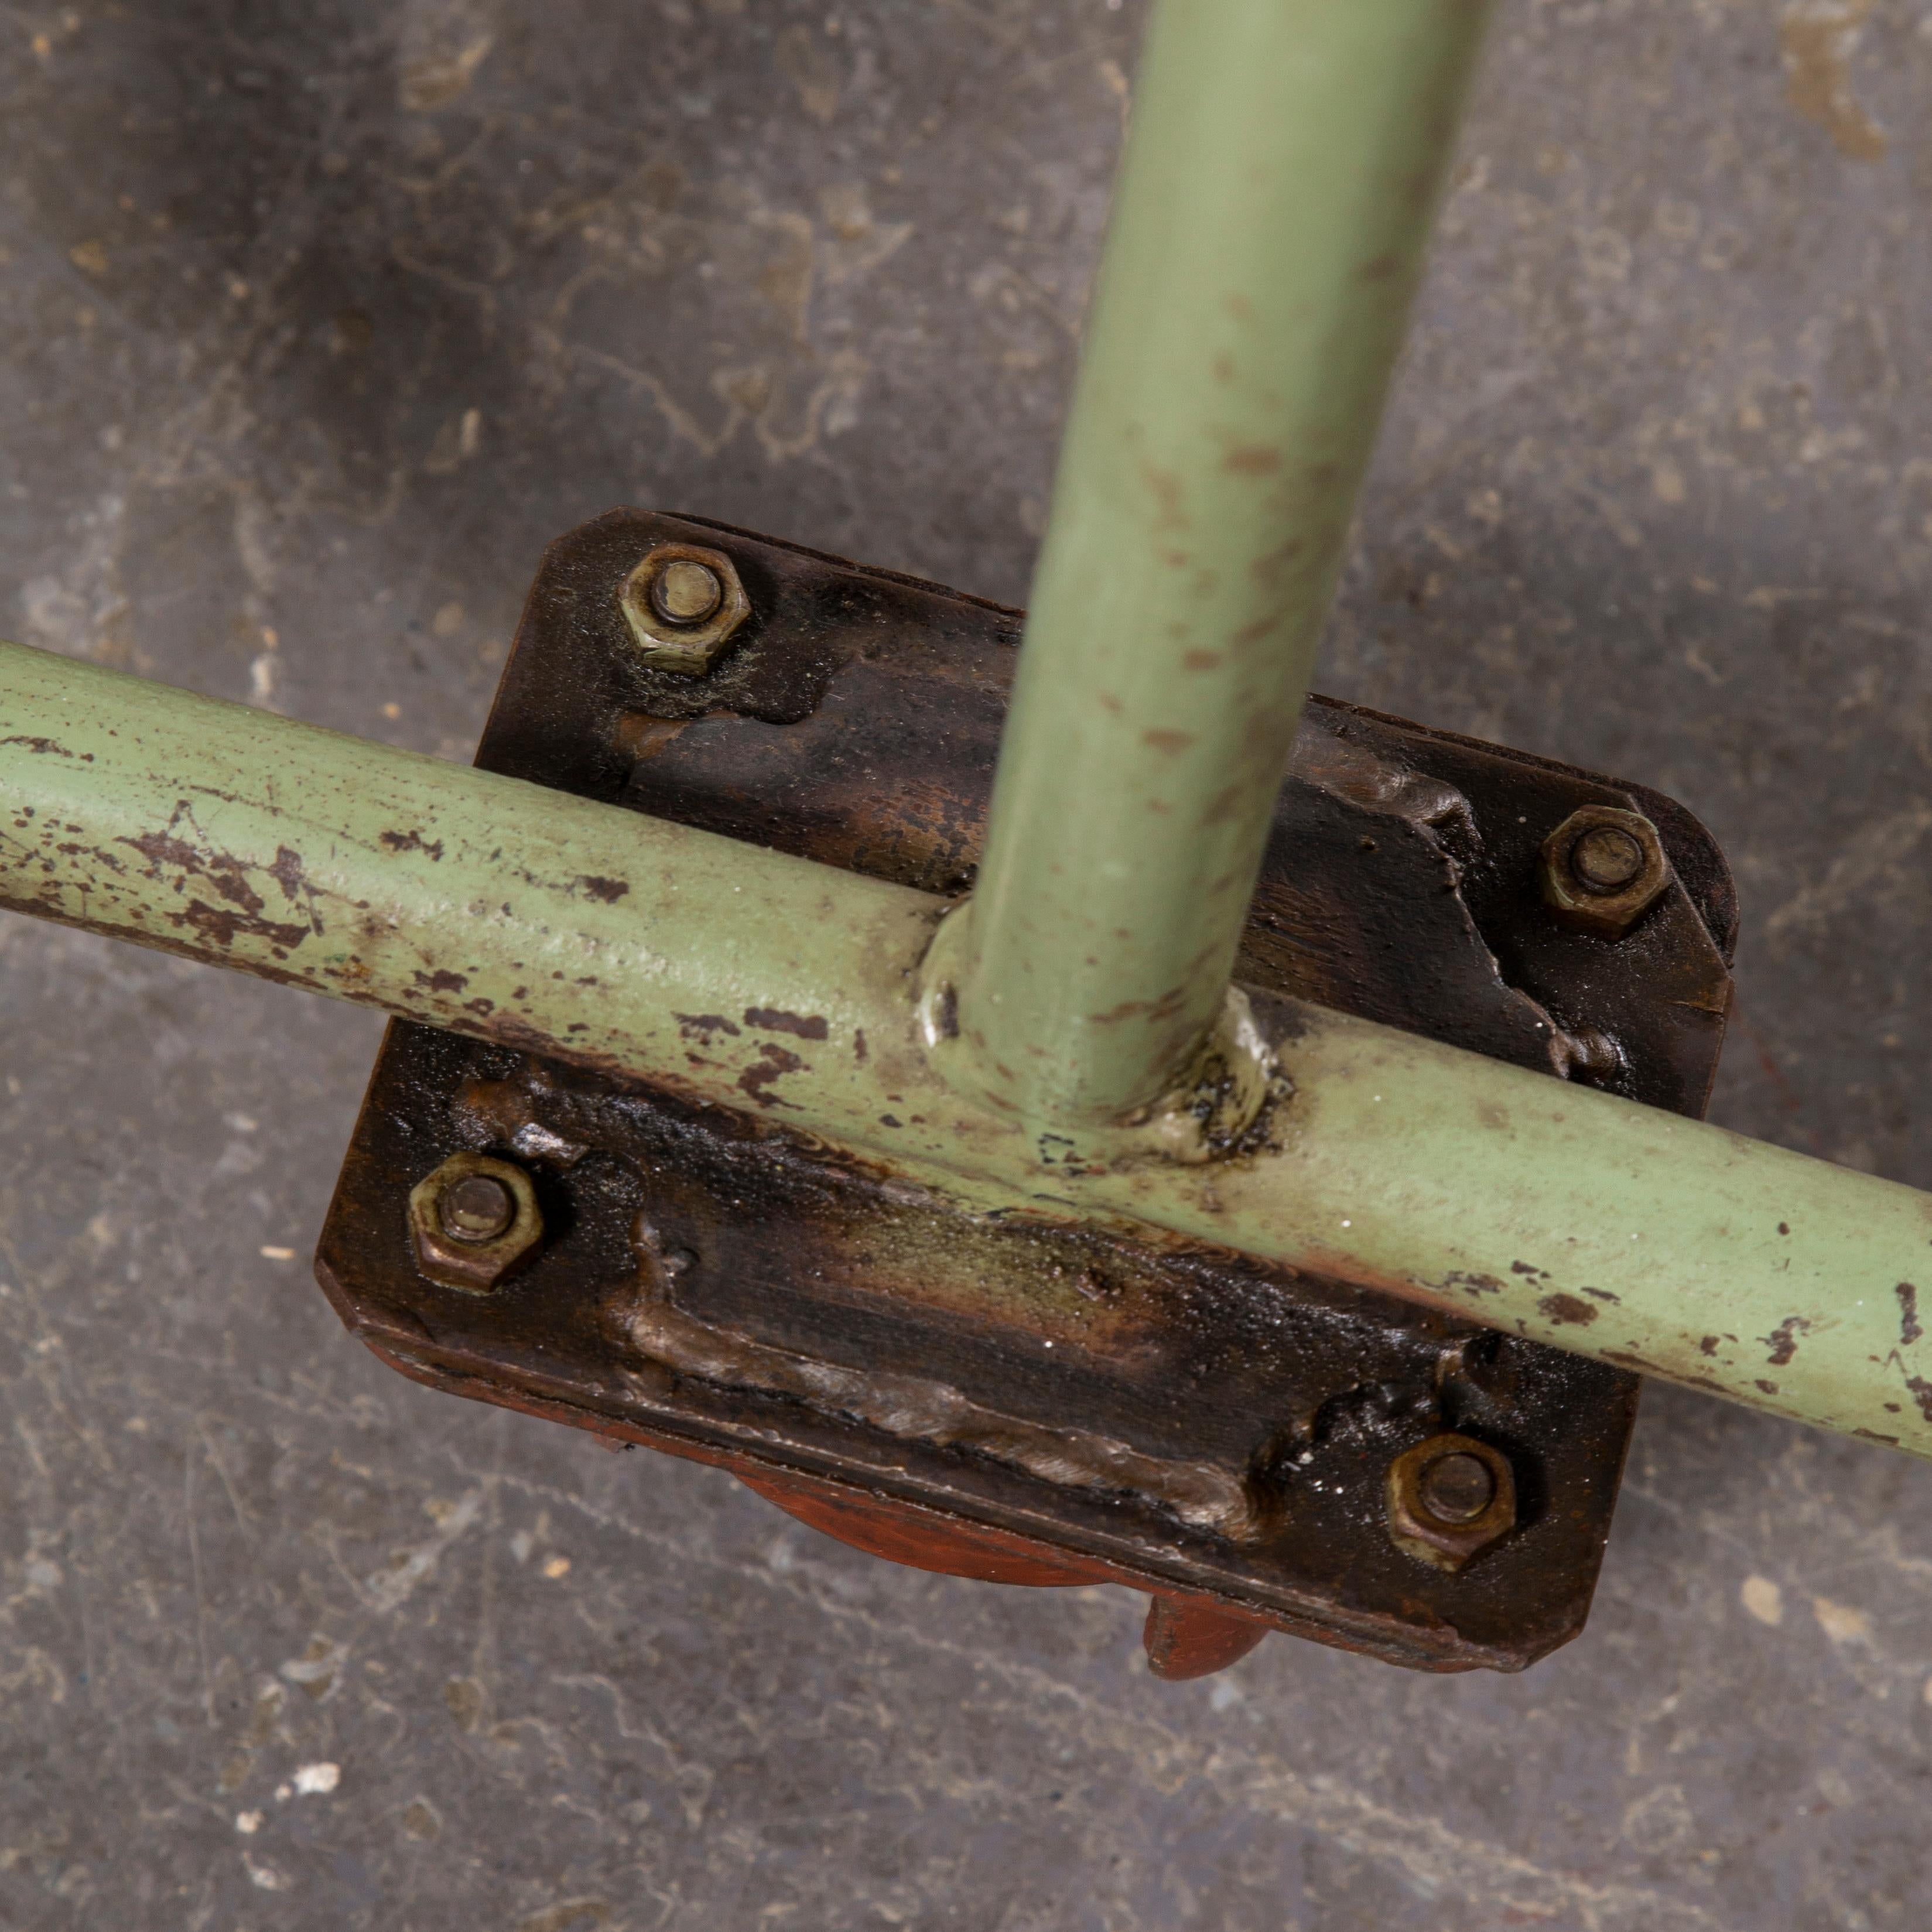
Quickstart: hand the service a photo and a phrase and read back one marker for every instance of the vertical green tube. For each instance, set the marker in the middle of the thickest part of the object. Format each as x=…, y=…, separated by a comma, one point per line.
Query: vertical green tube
x=1281, y=173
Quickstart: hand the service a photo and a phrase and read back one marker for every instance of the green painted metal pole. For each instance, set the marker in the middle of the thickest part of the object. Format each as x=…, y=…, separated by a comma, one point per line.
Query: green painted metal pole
x=1274, y=202
x=471, y=901
x=741, y=978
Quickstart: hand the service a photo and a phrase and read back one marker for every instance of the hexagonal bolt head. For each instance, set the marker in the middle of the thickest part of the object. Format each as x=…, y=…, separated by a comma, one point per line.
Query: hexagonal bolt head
x=1449, y=1499
x=684, y=604
x=474, y=1221
x=1603, y=869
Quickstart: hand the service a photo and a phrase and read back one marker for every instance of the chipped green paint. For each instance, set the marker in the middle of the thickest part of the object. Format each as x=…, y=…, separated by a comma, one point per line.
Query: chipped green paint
x=473, y=901
x=742, y=978
x=1274, y=206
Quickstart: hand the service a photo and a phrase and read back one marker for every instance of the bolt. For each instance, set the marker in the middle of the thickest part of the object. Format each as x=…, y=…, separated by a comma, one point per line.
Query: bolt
x=474, y=1221
x=1449, y=1499
x=1602, y=869
x=684, y=604
x=1606, y=858
x=1458, y=1488
x=686, y=592
x=477, y=1208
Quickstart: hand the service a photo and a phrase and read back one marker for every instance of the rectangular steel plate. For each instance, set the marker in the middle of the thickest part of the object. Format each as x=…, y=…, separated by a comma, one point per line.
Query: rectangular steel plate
x=1176, y=1418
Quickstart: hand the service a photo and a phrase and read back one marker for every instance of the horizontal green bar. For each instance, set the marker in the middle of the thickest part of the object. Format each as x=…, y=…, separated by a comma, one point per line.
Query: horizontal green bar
x=472, y=901
x=742, y=978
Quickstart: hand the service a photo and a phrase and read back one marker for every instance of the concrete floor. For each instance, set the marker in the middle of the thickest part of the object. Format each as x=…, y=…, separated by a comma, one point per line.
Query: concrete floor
x=319, y=320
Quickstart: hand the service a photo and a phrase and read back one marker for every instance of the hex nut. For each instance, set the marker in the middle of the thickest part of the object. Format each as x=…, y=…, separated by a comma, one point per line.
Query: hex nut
x=1602, y=869
x=457, y=1249
x=1449, y=1499
x=680, y=621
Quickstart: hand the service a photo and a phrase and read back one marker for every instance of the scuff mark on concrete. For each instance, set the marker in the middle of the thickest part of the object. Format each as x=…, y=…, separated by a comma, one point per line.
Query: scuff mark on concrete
x=1818, y=38
x=389, y=1589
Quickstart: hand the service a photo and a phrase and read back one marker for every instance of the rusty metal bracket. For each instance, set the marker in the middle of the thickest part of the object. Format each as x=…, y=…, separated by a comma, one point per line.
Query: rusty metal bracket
x=995, y=1395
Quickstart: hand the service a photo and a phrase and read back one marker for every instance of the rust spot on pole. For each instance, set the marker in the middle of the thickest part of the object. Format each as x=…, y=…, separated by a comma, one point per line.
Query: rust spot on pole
x=1782, y=1340
x=775, y=1019
x=1567, y=1310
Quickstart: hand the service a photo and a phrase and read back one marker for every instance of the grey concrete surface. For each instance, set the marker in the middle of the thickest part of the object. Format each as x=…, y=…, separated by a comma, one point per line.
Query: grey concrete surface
x=316, y=321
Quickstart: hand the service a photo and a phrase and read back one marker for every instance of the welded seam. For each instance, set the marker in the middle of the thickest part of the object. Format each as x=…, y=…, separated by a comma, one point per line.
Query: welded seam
x=917, y=1408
